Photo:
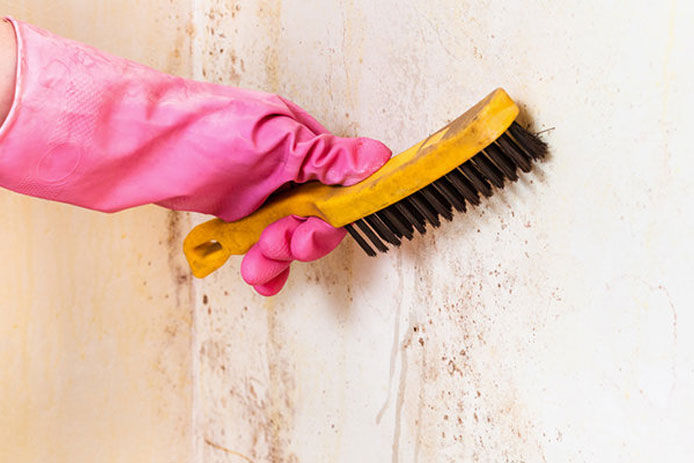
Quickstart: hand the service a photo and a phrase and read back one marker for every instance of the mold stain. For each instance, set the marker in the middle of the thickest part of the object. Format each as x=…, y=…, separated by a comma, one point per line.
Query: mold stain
x=219, y=61
x=227, y=451
x=178, y=58
x=453, y=339
x=352, y=51
x=177, y=265
x=269, y=13
x=268, y=402
x=423, y=389
x=280, y=411
x=396, y=336
x=400, y=401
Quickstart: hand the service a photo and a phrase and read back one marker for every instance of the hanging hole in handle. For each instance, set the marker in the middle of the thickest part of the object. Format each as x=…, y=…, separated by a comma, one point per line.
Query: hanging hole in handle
x=206, y=249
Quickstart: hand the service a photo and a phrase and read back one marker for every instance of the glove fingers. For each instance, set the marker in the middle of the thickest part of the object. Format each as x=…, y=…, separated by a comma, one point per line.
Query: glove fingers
x=273, y=286
x=257, y=269
x=266, y=264
x=315, y=238
x=275, y=240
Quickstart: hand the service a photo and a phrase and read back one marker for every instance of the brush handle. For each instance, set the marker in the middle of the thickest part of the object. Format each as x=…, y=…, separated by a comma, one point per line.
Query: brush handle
x=208, y=246
x=204, y=249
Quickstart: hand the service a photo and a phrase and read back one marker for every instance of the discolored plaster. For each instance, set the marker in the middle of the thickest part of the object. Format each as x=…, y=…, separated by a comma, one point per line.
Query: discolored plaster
x=542, y=325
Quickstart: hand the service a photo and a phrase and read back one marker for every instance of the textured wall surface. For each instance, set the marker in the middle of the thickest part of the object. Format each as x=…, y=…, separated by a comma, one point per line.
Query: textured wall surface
x=550, y=324
x=95, y=320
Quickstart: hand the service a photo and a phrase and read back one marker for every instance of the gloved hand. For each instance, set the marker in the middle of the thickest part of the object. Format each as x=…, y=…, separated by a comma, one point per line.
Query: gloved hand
x=105, y=133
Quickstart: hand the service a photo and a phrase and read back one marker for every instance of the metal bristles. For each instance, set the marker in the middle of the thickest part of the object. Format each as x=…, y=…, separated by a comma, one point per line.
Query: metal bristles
x=514, y=149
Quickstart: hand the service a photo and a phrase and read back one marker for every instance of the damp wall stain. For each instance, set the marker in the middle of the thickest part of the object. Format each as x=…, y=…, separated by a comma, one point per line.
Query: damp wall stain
x=521, y=331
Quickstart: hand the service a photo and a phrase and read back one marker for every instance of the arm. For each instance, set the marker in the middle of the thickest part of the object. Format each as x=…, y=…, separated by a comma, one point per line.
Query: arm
x=102, y=132
x=8, y=67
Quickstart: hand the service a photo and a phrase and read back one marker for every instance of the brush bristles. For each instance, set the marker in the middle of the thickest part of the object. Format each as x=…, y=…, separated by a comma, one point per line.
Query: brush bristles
x=514, y=149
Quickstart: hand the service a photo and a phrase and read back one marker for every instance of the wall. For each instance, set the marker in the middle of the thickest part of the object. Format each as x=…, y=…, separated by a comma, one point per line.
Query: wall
x=95, y=319
x=549, y=324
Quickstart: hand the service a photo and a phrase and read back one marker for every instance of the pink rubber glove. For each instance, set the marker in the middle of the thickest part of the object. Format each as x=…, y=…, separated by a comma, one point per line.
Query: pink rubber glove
x=266, y=265
x=102, y=132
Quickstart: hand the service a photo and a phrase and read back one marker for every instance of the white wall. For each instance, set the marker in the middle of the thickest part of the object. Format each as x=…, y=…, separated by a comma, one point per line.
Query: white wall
x=550, y=324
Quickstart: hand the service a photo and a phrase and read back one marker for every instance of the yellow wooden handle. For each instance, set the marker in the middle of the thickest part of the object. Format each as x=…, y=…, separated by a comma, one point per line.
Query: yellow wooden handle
x=209, y=245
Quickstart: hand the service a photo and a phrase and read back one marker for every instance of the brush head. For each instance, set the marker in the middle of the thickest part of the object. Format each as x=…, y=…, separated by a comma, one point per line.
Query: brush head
x=459, y=189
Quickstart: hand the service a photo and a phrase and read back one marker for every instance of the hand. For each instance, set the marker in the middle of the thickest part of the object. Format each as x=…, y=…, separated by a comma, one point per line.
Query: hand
x=266, y=265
